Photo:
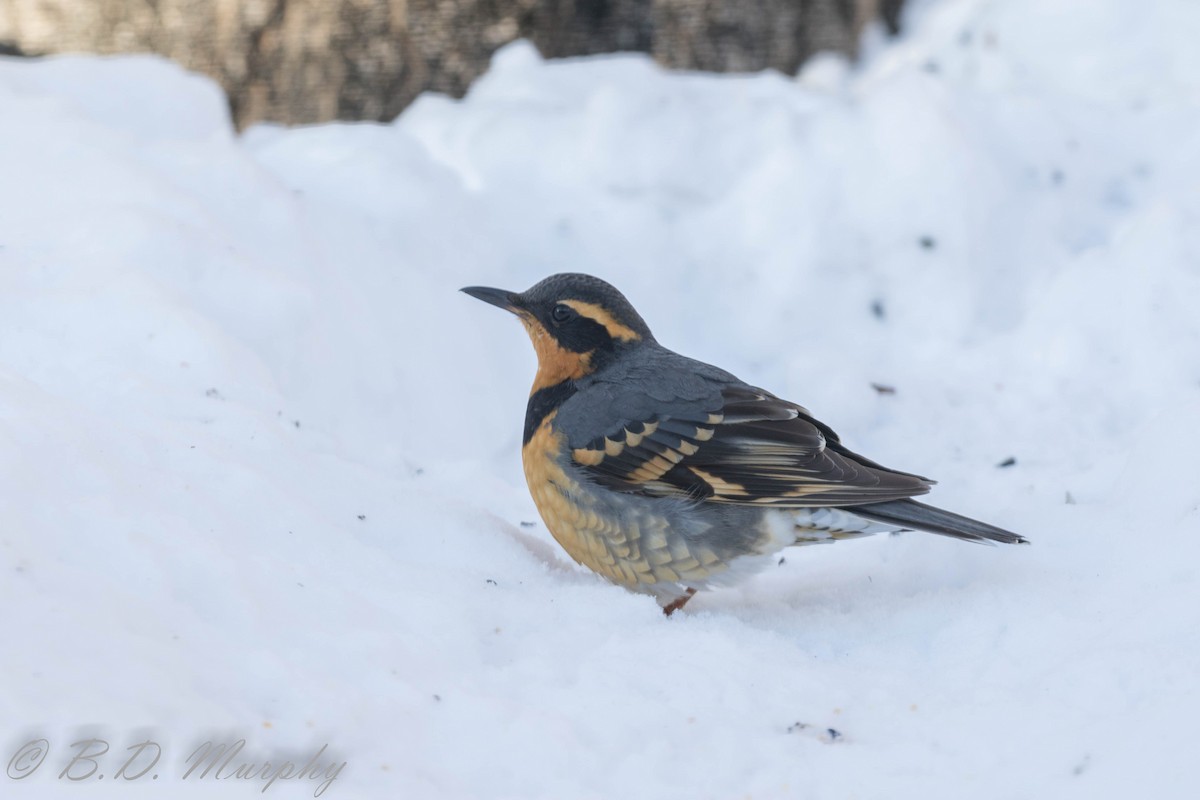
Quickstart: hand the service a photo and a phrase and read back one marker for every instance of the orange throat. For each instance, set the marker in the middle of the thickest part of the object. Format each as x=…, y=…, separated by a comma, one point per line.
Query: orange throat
x=555, y=363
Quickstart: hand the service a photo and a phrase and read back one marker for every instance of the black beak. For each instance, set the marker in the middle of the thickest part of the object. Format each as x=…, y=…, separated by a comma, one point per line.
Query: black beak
x=509, y=301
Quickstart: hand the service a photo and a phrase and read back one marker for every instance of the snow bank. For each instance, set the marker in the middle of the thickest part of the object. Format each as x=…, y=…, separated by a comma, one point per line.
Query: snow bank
x=260, y=459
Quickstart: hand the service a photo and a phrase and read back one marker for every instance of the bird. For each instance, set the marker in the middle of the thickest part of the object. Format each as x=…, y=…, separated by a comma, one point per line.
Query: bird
x=667, y=475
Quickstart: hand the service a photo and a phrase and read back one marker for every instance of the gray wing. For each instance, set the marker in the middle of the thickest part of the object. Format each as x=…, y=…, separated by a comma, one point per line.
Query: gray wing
x=710, y=437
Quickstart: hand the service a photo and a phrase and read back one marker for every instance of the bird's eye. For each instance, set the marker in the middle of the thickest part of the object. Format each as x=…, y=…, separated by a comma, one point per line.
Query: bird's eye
x=562, y=314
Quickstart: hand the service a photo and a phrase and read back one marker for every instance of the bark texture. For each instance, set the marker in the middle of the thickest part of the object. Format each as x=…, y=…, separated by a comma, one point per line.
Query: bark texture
x=305, y=61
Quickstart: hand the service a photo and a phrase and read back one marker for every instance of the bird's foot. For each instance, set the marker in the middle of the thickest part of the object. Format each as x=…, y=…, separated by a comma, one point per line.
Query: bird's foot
x=678, y=603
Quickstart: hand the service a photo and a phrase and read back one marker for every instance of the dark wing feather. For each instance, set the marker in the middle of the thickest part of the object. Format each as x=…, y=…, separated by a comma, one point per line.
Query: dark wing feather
x=752, y=448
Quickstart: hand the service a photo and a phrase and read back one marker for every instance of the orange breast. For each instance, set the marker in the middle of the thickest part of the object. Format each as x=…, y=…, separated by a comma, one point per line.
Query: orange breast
x=624, y=540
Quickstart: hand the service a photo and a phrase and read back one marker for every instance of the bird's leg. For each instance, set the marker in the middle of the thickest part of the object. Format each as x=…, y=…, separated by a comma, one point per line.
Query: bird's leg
x=678, y=603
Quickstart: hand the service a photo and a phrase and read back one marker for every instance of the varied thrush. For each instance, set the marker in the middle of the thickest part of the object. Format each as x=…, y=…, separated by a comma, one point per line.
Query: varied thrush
x=667, y=475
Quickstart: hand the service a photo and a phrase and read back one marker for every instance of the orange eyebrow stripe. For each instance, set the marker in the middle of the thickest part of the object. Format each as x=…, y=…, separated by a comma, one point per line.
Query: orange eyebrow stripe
x=604, y=317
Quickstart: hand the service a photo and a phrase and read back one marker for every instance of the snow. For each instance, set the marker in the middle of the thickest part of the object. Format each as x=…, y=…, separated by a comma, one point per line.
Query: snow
x=260, y=459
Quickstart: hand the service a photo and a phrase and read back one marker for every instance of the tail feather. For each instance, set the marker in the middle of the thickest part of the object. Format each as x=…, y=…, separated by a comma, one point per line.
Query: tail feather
x=911, y=514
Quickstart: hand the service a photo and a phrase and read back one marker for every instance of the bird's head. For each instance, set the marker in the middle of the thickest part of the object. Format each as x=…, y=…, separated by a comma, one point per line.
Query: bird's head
x=577, y=324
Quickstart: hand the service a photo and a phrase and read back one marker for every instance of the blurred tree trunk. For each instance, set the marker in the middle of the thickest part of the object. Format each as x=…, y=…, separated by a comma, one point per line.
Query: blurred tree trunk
x=302, y=61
